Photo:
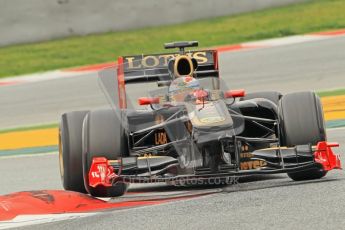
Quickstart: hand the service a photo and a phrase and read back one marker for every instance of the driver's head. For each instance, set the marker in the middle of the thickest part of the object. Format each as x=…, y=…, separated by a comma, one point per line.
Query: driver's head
x=181, y=87
x=182, y=65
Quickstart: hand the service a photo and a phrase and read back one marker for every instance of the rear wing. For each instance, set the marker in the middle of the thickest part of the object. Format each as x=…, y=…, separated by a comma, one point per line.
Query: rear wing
x=154, y=67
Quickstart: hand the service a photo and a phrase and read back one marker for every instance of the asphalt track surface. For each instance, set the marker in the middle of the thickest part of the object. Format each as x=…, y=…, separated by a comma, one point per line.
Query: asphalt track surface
x=265, y=202
x=258, y=202
x=317, y=65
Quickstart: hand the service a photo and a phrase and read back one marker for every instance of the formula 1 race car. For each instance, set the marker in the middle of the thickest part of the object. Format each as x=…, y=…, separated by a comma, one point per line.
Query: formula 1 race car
x=189, y=127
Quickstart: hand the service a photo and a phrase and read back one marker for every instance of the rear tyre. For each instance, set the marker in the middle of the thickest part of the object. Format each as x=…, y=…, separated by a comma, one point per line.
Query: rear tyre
x=103, y=136
x=269, y=95
x=302, y=122
x=70, y=151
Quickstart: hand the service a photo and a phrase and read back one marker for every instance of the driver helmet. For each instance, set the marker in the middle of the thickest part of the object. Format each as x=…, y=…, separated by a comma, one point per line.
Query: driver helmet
x=181, y=87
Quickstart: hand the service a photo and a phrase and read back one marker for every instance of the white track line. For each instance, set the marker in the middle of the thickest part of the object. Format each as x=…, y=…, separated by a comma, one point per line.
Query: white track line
x=29, y=155
x=336, y=129
x=58, y=74
x=26, y=220
x=287, y=40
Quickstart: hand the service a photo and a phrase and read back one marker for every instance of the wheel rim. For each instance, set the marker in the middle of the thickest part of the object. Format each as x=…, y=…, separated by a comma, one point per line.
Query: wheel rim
x=61, y=156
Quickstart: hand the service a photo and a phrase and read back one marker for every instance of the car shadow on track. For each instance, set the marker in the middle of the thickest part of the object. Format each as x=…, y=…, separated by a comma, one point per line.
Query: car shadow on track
x=257, y=182
x=274, y=184
x=162, y=187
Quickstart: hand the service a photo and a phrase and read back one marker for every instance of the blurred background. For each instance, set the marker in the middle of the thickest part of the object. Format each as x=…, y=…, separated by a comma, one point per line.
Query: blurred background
x=51, y=52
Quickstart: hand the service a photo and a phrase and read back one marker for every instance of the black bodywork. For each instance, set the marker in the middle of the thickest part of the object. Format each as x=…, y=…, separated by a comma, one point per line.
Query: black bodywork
x=252, y=146
x=164, y=144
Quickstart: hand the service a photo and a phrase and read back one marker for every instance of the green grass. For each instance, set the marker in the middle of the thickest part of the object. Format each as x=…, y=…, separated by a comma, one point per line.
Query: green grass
x=316, y=15
x=335, y=92
x=27, y=128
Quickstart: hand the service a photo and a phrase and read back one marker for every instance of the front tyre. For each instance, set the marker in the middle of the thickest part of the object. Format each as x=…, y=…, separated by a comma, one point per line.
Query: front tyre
x=70, y=151
x=302, y=121
x=103, y=136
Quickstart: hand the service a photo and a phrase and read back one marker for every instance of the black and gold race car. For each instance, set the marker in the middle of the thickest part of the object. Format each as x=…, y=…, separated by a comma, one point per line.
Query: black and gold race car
x=190, y=128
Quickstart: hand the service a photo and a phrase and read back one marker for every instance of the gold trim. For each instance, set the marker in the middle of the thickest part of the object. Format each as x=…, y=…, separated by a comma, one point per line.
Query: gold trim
x=62, y=172
x=181, y=57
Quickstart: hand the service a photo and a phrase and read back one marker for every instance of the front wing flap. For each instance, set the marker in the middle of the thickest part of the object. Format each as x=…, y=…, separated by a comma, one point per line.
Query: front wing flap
x=106, y=172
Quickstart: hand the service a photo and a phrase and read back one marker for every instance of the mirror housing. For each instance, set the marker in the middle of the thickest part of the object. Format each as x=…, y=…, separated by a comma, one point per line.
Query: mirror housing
x=148, y=100
x=235, y=93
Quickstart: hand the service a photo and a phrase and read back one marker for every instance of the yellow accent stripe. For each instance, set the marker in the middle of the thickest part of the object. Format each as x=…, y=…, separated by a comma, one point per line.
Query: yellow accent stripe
x=334, y=107
x=29, y=139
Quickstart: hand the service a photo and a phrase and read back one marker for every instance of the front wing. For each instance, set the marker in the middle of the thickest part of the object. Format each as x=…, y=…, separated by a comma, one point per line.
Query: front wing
x=105, y=172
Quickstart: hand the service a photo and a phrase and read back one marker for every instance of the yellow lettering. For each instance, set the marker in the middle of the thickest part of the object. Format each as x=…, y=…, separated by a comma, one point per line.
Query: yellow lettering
x=150, y=61
x=189, y=55
x=200, y=57
x=161, y=60
x=130, y=61
x=244, y=166
x=165, y=58
x=256, y=164
x=161, y=138
x=246, y=155
x=250, y=164
x=245, y=148
x=247, y=165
